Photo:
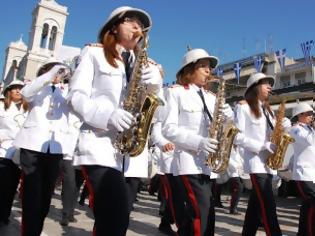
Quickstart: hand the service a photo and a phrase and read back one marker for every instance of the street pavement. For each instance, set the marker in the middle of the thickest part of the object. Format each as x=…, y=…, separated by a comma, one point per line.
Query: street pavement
x=145, y=218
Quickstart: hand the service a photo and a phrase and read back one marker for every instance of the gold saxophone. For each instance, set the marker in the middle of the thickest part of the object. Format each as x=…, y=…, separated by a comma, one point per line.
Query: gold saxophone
x=140, y=104
x=224, y=132
x=281, y=139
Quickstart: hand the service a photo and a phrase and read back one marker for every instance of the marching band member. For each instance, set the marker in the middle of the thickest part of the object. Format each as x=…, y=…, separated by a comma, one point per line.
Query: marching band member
x=13, y=112
x=137, y=167
x=304, y=166
x=164, y=149
x=189, y=109
x=255, y=121
x=43, y=140
x=235, y=171
x=69, y=189
x=97, y=90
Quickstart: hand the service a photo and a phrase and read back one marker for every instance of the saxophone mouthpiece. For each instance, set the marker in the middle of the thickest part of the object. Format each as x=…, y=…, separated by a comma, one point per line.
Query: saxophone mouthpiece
x=213, y=78
x=138, y=34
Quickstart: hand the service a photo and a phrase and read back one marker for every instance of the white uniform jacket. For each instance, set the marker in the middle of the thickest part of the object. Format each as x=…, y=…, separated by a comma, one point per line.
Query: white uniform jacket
x=47, y=123
x=137, y=166
x=11, y=121
x=236, y=162
x=254, y=133
x=304, y=153
x=186, y=124
x=165, y=160
x=74, y=128
x=96, y=90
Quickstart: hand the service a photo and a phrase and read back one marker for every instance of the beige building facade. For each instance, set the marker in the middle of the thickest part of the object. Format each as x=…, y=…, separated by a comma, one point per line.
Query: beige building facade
x=295, y=82
x=45, y=41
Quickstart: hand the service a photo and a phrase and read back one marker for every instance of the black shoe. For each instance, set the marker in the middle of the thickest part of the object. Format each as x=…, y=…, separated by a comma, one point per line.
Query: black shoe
x=219, y=205
x=166, y=229
x=72, y=219
x=81, y=202
x=4, y=222
x=64, y=221
x=235, y=212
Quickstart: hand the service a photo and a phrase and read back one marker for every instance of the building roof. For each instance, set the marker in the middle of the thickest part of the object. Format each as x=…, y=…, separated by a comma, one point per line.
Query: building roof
x=67, y=53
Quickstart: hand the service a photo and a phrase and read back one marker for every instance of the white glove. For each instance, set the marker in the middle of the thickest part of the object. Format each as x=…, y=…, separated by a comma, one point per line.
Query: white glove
x=121, y=119
x=54, y=71
x=227, y=111
x=286, y=124
x=208, y=145
x=270, y=147
x=151, y=77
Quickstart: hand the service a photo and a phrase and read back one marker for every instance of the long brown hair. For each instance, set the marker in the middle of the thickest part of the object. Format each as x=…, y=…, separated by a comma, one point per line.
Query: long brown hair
x=109, y=43
x=185, y=75
x=8, y=101
x=109, y=46
x=251, y=98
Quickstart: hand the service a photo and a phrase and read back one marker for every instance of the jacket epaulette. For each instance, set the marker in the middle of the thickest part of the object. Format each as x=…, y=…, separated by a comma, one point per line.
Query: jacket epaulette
x=175, y=86
x=151, y=61
x=94, y=45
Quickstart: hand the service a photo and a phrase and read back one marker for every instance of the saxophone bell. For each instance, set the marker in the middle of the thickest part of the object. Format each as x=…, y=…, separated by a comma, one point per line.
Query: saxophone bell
x=281, y=139
x=140, y=104
x=224, y=132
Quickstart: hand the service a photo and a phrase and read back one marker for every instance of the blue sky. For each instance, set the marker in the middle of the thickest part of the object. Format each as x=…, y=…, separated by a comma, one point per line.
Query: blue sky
x=229, y=29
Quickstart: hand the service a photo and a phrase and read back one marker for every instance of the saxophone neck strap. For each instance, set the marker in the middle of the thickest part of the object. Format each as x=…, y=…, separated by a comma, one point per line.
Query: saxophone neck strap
x=205, y=108
x=267, y=118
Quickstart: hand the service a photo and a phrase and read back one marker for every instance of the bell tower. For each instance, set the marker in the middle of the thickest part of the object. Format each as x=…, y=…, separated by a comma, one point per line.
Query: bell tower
x=46, y=35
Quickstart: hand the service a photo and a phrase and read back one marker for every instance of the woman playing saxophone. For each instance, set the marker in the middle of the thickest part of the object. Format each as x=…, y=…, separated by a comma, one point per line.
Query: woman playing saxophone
x=190, y=112
x=255, y=120
x=97, y=90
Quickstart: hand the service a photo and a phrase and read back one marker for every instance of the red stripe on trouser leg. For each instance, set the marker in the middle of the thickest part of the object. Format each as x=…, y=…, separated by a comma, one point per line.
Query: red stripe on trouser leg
x=310, y=211
x=193, y=200
x=310, y=220
x=91, y=193
x=304, y=196
x=170, y=200
x=164, y=187
x=262, y=205
x=234, y=194
x=89, y=186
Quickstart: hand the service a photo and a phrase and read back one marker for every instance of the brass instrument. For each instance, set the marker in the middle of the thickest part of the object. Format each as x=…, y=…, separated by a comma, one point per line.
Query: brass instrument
x=224, y=132
x=140, y=104
x=281, y=139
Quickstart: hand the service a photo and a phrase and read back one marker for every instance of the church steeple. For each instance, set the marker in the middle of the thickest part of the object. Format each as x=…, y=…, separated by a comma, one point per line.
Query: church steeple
x=46, y=35
x=45, y=41
x=48, y=25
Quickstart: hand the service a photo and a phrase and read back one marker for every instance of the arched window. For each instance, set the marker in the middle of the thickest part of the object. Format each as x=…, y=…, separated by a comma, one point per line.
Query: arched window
x=52, y=39
x=14, y=64
x=44, y=36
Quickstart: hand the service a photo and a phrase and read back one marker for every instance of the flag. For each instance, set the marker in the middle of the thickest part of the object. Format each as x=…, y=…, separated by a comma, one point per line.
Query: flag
x=306, y=49
x=219, y=71
x=281, y=54
x=237, y=70
x=258, y=63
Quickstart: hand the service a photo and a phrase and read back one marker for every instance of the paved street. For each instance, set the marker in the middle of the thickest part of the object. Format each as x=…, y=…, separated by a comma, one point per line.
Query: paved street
x=145, y=219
